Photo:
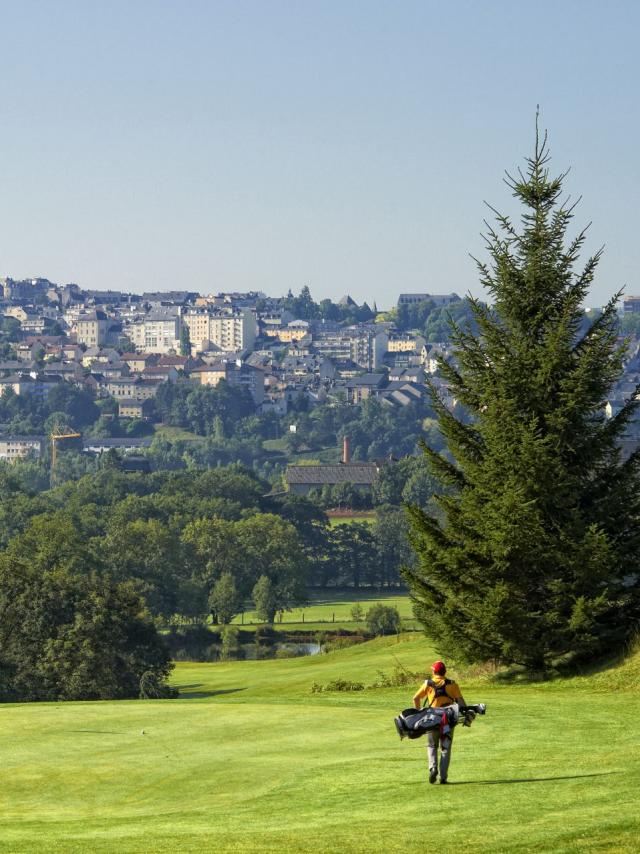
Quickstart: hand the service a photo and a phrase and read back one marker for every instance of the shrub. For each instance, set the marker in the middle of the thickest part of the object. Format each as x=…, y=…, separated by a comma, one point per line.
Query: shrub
x=383, y=620
x=343, y=642
x=399, y=678
x=337, y=685
x=357, y=613
x=230, y=645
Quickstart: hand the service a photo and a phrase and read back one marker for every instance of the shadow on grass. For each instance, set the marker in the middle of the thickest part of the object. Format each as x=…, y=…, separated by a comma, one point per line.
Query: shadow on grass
x=563, y=669
x=195, y=695
x=519, y=676
x=528, y=779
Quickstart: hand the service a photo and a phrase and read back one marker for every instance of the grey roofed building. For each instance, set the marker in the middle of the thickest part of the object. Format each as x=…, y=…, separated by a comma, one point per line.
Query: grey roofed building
x=106, y=296
x=347, y=300
x=415, y=374
x=13, y=365
x=367, y=385
x=371, y=381
x=38, y=385
x=437, y=299
x=302, y=479
x=400, y=396
x=92, y=315
x=404, y=393
x=178, y=297
x=157, y=315
x=98, y=446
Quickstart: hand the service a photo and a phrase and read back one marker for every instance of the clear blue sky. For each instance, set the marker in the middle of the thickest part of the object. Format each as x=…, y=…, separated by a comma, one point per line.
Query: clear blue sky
x=266, y=145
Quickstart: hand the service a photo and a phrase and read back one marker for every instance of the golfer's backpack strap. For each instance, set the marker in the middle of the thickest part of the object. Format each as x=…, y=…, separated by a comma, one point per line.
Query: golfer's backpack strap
x=439, y=690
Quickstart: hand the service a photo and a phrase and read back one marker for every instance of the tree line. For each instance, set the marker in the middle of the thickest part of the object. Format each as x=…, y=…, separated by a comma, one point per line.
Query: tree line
x=94, y=566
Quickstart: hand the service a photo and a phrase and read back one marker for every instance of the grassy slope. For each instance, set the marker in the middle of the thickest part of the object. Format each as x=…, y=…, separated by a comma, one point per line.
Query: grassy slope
x=251, y=761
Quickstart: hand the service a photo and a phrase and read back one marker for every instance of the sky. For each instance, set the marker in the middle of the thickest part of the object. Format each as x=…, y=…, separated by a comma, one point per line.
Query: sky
x=266, y=145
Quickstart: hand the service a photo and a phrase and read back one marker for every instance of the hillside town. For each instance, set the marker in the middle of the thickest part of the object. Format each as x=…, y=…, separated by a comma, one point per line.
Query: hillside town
x=126, y=346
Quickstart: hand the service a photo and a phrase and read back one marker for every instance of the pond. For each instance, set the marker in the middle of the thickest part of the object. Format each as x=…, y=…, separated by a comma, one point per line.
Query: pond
x=287, y=649
x=301, y=648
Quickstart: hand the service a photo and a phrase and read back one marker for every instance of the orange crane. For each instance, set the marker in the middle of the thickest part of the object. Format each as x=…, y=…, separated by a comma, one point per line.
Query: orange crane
x=57, y=434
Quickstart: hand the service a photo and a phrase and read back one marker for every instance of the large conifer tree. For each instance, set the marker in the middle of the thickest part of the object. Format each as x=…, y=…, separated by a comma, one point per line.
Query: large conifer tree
x=534, y=555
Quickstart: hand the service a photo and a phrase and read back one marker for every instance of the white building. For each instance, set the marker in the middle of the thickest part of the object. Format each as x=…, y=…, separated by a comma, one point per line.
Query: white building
x=17, y=447
x=158, y=332
x=230, y=331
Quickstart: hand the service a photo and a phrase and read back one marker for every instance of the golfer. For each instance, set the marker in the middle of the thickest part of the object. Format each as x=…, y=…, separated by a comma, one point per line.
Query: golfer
x=439, y=692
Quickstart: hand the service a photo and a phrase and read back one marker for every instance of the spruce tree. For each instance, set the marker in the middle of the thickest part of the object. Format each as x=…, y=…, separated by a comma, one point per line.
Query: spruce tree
x=532, y=557
x=185, y=341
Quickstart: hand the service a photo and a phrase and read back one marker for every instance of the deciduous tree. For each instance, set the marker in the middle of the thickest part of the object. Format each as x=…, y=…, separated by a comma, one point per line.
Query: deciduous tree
x=224, y=601
x=264, y=599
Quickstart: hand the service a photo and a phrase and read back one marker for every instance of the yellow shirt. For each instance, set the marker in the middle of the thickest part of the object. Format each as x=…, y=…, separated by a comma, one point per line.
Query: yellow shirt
x=426, y=690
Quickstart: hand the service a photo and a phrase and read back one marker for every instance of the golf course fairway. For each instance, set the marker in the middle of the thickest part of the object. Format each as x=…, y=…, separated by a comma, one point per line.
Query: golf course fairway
x=250, y=760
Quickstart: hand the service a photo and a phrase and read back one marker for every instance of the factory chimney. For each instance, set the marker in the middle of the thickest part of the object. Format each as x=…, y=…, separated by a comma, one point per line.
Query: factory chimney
x=346, y=451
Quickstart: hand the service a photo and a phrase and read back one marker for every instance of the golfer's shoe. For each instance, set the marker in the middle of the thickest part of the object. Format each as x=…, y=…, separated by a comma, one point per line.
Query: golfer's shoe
x=399, y=727
x=433, y=775
x=443, y=782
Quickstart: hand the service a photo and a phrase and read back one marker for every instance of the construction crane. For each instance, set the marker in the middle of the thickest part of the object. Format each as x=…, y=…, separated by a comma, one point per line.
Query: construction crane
x=57, y=434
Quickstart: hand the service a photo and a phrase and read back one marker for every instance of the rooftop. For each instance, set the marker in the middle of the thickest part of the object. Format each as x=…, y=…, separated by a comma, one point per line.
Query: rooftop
x=356, y=473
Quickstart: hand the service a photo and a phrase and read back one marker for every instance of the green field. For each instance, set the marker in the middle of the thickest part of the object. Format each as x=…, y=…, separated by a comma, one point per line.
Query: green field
x=335, y=608
x=175, y=434
x=249, y=760
x=348, y=520
x=319, y=455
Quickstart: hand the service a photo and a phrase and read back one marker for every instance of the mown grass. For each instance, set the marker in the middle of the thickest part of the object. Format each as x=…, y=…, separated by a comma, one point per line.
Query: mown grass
x=249, y=760
x=335, y=608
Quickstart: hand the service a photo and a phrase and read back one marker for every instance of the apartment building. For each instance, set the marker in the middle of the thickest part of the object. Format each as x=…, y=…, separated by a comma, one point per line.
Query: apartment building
x=142, y=409
x=237, y=374
x=363, y=347
x=92, y=328
x=294, y=331
x=230, y=331
x=34, y=384
x=17, y=447
x=406, y=344
x=132, y=388
x=156, y=332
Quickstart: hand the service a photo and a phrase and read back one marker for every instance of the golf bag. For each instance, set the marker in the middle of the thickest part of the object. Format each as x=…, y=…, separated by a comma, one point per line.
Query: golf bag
x=412, y=723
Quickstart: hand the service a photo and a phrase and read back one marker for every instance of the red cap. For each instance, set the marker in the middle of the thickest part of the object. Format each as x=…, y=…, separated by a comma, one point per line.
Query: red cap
x=439, y=668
